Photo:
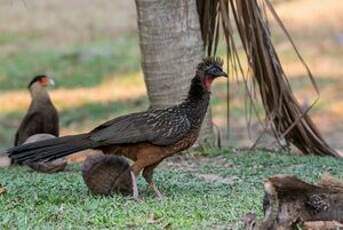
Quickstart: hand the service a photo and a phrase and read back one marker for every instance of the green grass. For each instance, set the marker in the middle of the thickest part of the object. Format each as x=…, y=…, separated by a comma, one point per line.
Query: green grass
x=18, y=37
x=75, y=66
x=62, y=201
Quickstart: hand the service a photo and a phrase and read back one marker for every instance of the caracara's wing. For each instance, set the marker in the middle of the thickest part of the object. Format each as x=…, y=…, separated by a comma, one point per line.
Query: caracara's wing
x=43, y=119
x=161, y=127
x=31, y=124
x=50, y=120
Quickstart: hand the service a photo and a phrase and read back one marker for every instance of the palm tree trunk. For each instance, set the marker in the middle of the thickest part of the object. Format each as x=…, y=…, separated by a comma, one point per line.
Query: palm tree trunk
x=171, y=47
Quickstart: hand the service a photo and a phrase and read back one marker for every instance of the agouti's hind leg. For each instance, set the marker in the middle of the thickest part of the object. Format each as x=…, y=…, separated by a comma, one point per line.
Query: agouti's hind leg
x=136, y=168
x=134, y=185
x=148, y=175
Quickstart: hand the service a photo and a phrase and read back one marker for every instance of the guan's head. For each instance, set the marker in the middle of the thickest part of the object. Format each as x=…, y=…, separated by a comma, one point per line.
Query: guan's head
x=209, y=69
x=41, y=80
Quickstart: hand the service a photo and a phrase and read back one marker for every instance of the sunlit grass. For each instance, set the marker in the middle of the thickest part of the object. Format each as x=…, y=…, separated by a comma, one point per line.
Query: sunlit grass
x=307, y=13
x=115, y=87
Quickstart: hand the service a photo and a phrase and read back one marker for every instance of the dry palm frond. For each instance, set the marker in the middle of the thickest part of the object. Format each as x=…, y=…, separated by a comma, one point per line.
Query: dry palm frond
x=281, y=107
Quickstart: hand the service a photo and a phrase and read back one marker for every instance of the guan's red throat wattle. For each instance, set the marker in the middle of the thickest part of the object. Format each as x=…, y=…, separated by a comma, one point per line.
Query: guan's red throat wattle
x=208, y=82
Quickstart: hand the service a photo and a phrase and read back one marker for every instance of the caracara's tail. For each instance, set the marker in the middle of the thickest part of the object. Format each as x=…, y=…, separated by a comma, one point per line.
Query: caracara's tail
x=51, y=149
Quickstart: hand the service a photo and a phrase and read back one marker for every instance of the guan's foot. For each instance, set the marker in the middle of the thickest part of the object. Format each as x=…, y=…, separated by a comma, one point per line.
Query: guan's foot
x=157, y=192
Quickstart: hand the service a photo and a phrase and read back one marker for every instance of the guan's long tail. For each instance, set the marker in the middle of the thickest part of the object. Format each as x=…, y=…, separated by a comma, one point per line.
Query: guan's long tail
x=51, y=149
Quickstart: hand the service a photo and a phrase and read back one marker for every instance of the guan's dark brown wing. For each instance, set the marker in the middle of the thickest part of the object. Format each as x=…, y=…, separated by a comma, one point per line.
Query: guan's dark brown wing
x=161, y=127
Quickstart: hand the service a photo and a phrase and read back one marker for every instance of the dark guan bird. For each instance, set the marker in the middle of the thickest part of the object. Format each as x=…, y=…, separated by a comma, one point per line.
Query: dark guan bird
x=42, y=116
x=145, y=137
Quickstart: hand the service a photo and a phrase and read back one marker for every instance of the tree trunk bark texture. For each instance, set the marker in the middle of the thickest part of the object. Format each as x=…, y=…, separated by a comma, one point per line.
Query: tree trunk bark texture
x=171, y=47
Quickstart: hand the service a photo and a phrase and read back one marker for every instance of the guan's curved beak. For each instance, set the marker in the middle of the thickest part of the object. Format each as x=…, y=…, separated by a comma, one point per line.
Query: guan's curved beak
x=216, y=72
x=223, y=74
x=220, y=74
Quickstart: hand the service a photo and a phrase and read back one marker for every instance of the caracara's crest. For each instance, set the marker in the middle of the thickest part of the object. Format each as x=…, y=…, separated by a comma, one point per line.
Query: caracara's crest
x=35, y=79
x=210, y=62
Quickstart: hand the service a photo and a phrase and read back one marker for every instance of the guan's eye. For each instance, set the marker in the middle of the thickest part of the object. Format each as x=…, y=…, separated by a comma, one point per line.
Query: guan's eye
x=217, y=70
x=214, y=71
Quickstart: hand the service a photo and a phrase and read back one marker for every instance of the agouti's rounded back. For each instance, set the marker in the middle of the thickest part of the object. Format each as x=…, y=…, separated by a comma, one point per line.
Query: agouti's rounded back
x=107, y=174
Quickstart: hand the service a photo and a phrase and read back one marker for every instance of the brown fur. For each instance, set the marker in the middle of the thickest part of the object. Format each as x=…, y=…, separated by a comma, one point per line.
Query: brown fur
x=48, y=167
x=105, y=175
x=290, y=201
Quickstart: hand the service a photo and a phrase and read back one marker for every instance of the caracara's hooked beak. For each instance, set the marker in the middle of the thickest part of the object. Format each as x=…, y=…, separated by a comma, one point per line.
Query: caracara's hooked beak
x=51, y=81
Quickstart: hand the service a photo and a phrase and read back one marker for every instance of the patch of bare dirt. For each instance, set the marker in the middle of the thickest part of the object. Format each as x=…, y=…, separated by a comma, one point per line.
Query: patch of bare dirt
x=2, y=190
x=82, y=156
x=193, y=164
x=5, y=161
